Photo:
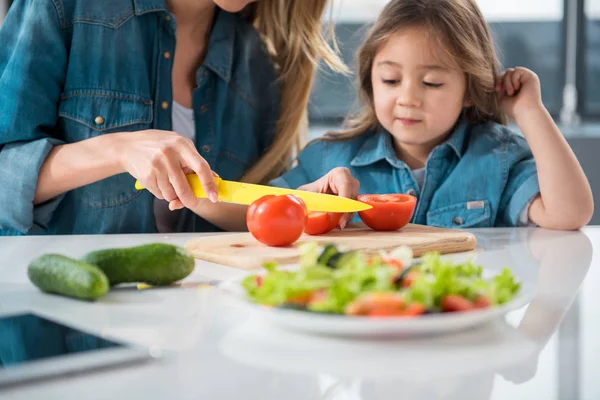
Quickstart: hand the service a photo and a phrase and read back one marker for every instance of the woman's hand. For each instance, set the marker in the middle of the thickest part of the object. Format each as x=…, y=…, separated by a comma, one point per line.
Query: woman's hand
x=519, y=91
x=160, y=161
x=338, y=181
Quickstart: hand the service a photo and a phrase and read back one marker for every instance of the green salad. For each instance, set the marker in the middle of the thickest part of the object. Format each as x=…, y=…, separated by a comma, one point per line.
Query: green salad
x=330, y=280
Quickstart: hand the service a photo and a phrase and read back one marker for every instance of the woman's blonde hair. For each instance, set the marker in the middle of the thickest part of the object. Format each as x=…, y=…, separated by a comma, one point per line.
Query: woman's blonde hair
x=293, y=32
x=459, y=29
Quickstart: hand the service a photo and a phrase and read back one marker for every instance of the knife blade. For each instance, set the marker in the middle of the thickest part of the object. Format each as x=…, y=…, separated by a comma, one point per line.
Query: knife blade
x=247, y=193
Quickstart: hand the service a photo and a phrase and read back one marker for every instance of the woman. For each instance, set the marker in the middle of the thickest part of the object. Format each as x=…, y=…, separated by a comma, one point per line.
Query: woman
x=92, y=93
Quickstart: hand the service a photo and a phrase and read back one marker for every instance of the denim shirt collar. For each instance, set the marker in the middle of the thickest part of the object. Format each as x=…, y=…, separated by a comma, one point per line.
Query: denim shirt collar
x=381, y=147
x=219, y=57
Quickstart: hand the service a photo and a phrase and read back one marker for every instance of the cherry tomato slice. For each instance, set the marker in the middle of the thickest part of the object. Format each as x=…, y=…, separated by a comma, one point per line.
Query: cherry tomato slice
x=482, y=301
x=390, y=212
x=277, y=220
x=455, y=302
x=319, y=223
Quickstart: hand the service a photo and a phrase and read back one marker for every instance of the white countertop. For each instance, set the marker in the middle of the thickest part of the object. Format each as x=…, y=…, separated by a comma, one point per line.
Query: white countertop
x=213, y=349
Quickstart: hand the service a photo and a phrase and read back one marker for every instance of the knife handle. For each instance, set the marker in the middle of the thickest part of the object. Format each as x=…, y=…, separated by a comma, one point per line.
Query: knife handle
x=194, y=184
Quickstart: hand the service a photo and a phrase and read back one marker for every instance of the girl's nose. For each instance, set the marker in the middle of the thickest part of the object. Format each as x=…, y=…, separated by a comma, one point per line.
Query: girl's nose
x=409, y=95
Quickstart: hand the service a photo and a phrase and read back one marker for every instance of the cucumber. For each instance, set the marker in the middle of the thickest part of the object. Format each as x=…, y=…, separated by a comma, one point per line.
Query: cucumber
x=329, y=252
x=156, y=264
x=54, y=273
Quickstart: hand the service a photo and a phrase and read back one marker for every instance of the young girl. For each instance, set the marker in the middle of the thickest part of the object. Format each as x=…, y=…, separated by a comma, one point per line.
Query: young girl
x=94, y=94
x=432, y=126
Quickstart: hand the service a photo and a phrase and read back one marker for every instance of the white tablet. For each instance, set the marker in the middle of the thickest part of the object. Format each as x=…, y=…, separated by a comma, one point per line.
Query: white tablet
x=34, y=347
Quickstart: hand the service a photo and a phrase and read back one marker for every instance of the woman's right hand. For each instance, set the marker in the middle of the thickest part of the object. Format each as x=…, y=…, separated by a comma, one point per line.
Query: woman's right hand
x=159, y=161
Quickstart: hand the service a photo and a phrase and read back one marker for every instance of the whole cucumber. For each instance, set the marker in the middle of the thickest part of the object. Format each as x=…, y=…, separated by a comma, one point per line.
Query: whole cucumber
x=155, y=264
x=62, y=275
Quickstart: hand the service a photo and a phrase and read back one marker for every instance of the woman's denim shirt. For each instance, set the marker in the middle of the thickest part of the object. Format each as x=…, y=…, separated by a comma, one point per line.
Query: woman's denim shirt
x=481, y=176
x=71, y=70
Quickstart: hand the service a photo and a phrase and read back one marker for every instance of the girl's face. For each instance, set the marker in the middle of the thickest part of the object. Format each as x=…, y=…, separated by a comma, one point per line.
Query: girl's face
x=233, y=5
x=418, y=91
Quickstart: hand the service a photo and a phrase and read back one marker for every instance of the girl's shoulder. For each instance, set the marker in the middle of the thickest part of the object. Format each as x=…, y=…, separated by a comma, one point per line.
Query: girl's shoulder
x=340, y=146
x=495, y=136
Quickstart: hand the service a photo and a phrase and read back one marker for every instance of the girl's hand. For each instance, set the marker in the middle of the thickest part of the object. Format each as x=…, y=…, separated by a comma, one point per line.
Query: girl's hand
x=160, y=160
x=338, y=181
x=518, y=90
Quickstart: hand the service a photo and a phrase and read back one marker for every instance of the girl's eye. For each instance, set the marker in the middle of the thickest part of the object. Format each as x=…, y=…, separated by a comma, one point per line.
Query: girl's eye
x=390, y=81
x=433, y=85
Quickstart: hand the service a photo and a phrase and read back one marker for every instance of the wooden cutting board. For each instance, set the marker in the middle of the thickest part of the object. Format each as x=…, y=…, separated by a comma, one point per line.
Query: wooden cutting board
x=241, y=250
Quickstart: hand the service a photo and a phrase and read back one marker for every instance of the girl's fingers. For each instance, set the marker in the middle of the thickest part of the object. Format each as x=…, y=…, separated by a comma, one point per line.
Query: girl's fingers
x=344, y=185
x=499, y=81
x=516, y=80
x=510, y=90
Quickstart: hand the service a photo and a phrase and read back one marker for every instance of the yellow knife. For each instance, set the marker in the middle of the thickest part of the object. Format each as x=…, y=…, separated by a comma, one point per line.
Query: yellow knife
x=246, y=193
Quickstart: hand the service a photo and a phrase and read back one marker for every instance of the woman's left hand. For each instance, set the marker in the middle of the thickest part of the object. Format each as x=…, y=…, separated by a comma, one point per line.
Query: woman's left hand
x=518, y=90
x=338, y=181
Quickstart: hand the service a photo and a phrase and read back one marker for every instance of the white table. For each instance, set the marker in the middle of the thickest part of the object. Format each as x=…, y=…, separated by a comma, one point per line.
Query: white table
x=215, y=350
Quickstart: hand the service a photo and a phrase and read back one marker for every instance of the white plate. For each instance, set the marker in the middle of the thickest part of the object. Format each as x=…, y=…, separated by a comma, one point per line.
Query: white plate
x=491, y=348
x=357, y=326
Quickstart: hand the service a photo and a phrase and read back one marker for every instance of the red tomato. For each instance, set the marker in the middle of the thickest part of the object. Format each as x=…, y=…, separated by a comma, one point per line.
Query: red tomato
x=277, y=220
x=409, y=278
x=455, y=302
x=300, y=299
x=414, y=309
x=319, y=223
x=392, y=262
x=482, y=302
x=390, y=212
x=382, y=311
x=318, y=296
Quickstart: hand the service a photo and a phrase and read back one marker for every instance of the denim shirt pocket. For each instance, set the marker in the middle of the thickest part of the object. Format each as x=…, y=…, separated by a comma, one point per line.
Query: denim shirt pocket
x=85, y=114
x=468, y=214
x=89, y=113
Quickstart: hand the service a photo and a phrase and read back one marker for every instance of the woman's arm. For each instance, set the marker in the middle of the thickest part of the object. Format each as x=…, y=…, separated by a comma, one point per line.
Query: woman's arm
x=156, y=158
x=565, y=201
x=70, y=166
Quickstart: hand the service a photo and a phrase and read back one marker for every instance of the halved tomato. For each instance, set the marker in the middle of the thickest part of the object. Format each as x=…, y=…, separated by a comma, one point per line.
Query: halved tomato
x=390, y=212
x=277, y=220
x=319, y=223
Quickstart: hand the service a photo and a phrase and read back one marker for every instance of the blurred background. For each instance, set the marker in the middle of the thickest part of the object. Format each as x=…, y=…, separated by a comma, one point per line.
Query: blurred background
x=558, y=39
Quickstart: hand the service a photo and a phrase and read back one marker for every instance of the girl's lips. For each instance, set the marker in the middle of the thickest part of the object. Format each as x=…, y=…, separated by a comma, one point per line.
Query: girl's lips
x=408, y=121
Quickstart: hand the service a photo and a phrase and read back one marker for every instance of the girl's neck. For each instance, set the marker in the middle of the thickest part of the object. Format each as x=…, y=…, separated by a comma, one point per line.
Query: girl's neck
x=415, y=155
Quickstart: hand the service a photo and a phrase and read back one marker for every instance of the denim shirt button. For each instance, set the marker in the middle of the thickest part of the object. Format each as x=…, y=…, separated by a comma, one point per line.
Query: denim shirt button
x=458, y=220
x=164, y=105
x=203, y=109
x=99, y=120
x=206, y=148
x=167, y=55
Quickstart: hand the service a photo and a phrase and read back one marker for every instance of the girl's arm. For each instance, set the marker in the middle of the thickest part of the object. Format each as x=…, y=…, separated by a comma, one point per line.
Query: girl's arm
x=565, y=201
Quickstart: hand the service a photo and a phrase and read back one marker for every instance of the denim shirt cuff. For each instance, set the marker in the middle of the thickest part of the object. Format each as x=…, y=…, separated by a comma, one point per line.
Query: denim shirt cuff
x=522, y=198
x=23, y=161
